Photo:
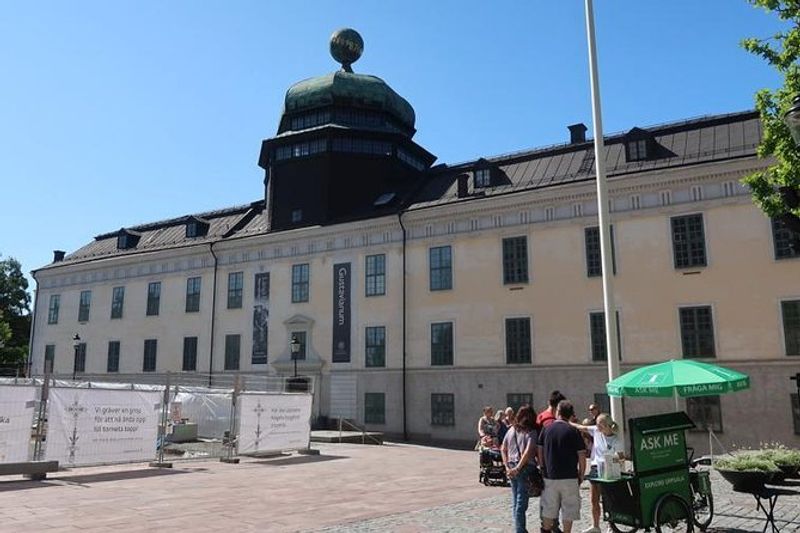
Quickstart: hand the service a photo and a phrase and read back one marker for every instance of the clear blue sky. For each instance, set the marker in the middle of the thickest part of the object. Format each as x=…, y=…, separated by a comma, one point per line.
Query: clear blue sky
x=124, y=112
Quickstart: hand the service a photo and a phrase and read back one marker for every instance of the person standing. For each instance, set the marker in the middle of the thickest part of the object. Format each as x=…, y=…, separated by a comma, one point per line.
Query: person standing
x=594, y=412
x=562, y=455
x=605, y=440
x=519, y=454
x=548, y=416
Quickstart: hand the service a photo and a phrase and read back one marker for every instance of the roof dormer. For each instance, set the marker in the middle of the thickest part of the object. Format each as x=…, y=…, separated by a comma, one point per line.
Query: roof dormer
x=127, y=239
x=640, y=145
x=196, y=227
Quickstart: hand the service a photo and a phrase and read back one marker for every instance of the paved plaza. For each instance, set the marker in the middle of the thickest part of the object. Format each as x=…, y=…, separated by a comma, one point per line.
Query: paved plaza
x=349, y=487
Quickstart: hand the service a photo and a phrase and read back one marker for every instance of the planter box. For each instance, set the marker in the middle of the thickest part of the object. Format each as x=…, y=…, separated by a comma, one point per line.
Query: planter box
x=747, y=481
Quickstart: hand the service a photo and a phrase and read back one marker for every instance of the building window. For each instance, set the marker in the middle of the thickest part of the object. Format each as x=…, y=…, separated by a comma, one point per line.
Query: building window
x=113, y=357
x=597, y=327
x=374, y=408
x=515, y=400
x=297, y=215
x=49, y=357
x=79, y=365
x=302, y=339
x=189, y=354
x=666, y=198
x=594, y=262
x=785, y=241
x=52, y=310
x=637, y=150
x=483, y=178
x=549, y=213
x=153, y=298
x=193, y=295
x=150, y=352
x=688, y=241
x=603, y=402
x=84, y=306
x=443, y=410
x=518, y=340
x=636, y=202
x=232, y=343
x=117, y=302
x=300, y=275
x=442, y=343
x=235, y=289
x=515, y=260
x=697, y=193
x=441, y=268
x=728, y=189
x=697, y=332
x=375, y=349
x=705, y=412
x=376, y=275
x=790, y=309
x=796, y=413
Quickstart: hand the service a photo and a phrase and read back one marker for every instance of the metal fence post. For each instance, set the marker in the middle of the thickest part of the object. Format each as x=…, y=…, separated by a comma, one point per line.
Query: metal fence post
x=41, y=415
x=162, y=426
x=231, y=442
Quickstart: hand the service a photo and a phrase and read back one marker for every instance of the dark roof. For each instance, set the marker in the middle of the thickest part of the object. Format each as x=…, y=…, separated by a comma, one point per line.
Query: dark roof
x=677, y=144
x=689, y=142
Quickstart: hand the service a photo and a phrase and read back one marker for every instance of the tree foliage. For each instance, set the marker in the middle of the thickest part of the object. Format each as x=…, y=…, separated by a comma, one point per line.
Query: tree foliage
x=15, y=318
x=775, y=190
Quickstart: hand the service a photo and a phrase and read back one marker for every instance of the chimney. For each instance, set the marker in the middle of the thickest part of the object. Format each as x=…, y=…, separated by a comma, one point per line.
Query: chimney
x=58, y=256
x=462, y=185
x=577, y=133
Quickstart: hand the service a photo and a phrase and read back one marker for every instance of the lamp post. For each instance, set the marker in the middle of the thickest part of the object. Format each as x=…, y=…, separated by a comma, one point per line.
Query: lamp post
x=603, y=222
x=792, y=119
x=294, y=346
x=76, y=343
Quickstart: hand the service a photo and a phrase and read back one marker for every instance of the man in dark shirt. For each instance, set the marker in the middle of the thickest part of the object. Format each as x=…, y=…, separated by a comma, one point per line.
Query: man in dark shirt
x=562, y=454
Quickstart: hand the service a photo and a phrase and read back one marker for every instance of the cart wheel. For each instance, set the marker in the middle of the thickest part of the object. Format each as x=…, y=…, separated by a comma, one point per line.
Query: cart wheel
x=673, y=515
x=620, y=528
x=702, y=509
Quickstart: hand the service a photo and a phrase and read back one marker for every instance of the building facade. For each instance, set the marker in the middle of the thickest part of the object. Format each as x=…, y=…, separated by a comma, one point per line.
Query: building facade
x=420, y=293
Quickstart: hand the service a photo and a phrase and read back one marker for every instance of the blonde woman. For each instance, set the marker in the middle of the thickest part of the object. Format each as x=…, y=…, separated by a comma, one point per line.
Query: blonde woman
x=605, y=440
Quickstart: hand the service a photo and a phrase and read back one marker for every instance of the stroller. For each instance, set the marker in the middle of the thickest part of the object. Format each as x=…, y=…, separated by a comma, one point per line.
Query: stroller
x=492, y=471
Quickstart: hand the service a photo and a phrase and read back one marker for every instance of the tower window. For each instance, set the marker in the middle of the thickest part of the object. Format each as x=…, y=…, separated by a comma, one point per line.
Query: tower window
x=297, y=215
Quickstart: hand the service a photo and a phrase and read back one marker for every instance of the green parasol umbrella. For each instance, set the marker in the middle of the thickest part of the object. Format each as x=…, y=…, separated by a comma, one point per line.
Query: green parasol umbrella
x=676, y=377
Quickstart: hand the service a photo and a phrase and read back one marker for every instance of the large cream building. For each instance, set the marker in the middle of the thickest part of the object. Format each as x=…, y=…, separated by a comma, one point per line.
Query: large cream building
x=421, y=293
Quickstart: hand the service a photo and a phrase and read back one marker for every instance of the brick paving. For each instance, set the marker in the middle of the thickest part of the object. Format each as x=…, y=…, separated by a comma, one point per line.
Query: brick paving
x=350, y=487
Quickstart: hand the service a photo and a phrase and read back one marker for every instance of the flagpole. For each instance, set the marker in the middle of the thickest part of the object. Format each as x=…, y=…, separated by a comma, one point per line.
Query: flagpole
x=603, y=221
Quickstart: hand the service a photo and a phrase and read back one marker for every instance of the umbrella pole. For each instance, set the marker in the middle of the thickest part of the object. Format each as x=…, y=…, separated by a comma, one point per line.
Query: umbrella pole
x=675, y=395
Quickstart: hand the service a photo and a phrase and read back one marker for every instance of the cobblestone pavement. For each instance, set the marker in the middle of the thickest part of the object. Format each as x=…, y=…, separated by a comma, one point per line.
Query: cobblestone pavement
x=734, y=513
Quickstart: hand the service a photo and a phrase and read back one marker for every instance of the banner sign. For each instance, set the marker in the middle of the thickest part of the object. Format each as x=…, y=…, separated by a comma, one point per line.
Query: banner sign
x=91, y=426
x=341, y=313
x=274, y=422
x=260, y=319
x=16, y=416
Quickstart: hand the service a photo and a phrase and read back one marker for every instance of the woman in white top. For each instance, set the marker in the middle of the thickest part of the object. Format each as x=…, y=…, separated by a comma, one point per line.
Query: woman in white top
x=605, y=438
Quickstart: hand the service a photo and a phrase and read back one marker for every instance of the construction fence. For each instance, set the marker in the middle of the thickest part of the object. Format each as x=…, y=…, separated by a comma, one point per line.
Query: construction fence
x=92, y=422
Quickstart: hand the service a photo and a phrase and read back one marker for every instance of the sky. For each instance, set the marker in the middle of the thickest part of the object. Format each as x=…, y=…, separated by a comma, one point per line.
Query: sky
x=118, y=113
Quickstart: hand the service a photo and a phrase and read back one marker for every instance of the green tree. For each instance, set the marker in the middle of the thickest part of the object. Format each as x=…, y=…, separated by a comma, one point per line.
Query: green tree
x=15, y=318
x=776, y=189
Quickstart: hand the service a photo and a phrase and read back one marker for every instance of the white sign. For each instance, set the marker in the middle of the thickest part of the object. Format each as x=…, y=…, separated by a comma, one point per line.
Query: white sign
x=91, y=426
x=274, y=422
x=16, y=418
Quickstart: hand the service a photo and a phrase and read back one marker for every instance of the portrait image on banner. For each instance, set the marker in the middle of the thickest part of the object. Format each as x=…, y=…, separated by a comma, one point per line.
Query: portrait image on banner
x=93, y=426
x=17, y=404
x=274, y=422
x=260, y=319
x=341, y=313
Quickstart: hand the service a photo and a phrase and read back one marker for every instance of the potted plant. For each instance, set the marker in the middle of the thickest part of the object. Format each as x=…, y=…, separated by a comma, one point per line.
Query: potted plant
x=747, y=472
x=787, y=460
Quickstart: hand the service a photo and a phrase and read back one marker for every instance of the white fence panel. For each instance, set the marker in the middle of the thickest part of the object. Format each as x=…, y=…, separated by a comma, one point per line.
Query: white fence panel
x=17, y=404
x=274, y=422
x=95, y=426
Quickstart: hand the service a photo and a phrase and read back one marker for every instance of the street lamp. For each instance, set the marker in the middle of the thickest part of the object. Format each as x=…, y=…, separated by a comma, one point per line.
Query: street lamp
x=792, y=119
x=76, y=343
x=294, y=346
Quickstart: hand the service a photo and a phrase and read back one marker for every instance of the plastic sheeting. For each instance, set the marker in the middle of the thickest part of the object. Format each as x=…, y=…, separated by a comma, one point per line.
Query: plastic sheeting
x=210, y=411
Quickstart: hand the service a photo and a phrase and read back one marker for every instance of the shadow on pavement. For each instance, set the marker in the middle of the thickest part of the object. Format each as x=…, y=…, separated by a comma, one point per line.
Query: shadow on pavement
x=6, y=486
x=299, y=460
x=118, y=476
